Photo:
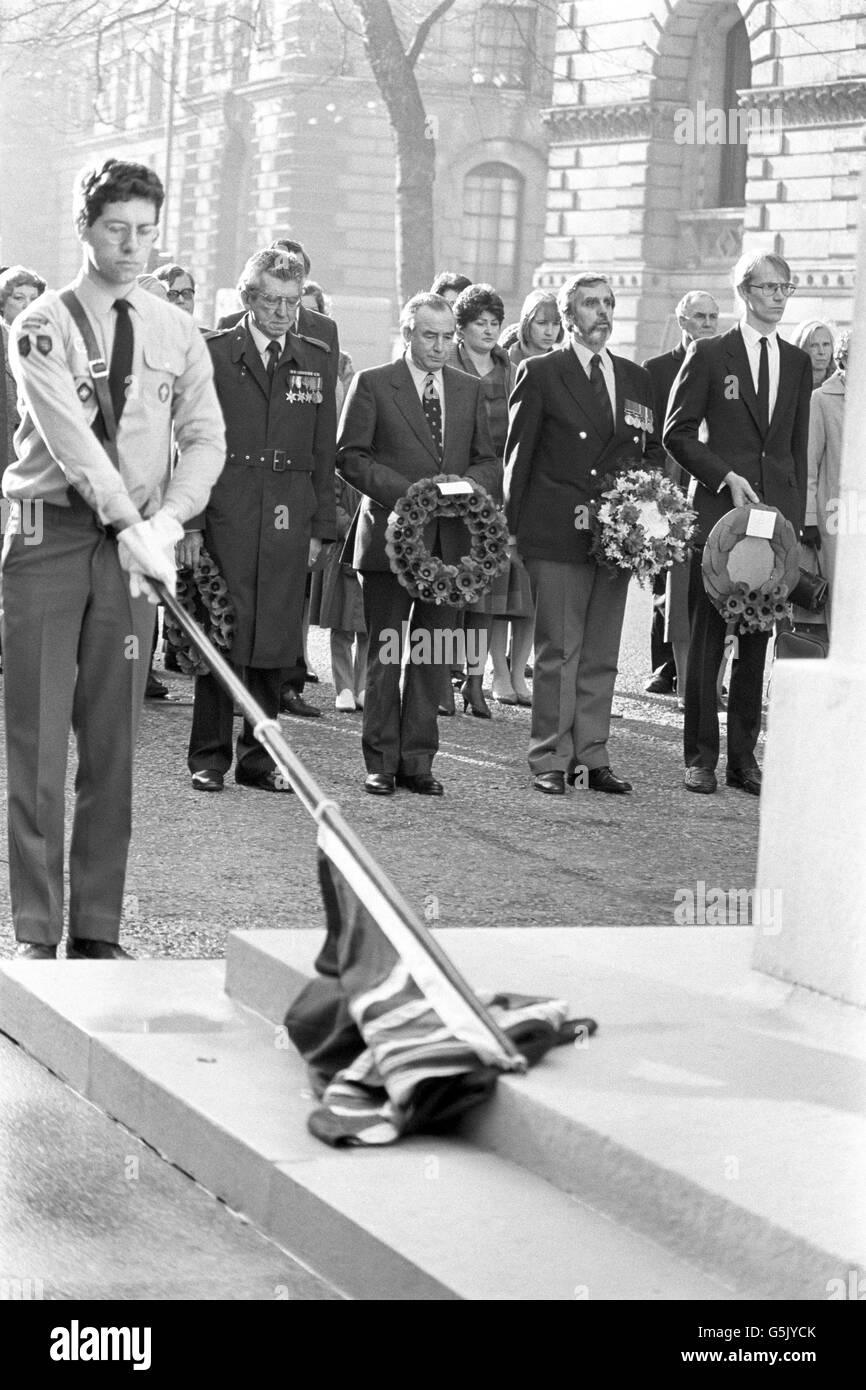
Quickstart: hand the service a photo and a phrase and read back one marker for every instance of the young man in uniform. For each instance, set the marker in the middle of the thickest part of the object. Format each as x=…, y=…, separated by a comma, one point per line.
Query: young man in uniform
x=104, y=371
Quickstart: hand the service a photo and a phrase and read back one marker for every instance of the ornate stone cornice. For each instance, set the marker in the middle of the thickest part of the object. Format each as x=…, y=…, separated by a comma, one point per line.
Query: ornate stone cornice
x=821, y=103
x=626, y=120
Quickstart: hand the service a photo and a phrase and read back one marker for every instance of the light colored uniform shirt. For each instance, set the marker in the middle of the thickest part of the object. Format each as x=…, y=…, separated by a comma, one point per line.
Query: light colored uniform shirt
x=419, y=376
x=171, y=385
x=585, y=355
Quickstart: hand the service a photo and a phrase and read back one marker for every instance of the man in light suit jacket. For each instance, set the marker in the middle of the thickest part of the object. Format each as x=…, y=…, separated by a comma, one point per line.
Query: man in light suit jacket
x=577, y=415
x=411, y=419
x=752, y=389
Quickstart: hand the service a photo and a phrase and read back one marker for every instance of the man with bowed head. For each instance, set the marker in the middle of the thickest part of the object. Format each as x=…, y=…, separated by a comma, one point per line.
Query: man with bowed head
x=271, y=509
x=576, y=415
x=410, y=419
x=106, y=373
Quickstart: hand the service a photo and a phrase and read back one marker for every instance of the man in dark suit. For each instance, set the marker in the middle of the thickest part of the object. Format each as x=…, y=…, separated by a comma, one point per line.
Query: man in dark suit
x=698, y=317
x=577, y=415
x=272, y=508
x=752, y=389
x=414, y=418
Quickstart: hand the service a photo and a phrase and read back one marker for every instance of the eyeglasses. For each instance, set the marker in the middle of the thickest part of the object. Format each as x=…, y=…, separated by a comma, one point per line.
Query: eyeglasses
x=122, y=231
x=186, y=295
x=273, y=301
x=774, y=286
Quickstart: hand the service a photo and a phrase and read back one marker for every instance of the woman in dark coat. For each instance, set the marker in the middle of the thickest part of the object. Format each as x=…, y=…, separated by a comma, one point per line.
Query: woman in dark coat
x=478, y=313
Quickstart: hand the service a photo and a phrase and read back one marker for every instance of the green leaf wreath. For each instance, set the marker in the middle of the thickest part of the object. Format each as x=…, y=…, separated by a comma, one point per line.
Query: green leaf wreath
x=642, y=523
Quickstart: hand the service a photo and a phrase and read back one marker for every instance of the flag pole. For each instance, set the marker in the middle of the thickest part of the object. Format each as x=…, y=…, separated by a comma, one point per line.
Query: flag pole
x=368, y=879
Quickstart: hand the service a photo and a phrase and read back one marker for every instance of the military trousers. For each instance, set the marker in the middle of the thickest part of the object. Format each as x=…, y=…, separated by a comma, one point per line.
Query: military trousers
x=76, y=650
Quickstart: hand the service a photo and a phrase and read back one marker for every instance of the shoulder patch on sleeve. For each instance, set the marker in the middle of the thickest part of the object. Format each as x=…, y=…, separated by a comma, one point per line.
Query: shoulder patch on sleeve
x=24, y=345
x=34, y=322
x=43, y=343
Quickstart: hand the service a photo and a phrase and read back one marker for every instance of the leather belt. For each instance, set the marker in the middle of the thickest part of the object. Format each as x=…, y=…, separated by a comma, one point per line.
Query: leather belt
x=277, y=459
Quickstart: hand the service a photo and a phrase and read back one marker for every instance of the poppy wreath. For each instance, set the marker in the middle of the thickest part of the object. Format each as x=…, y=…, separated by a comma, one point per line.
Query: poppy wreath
x=203, y=593
x=427, y=576
x=748, y=578
x=642, y=523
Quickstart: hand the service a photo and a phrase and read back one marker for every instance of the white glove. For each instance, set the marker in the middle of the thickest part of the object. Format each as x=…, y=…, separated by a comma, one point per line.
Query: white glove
x=147, y=549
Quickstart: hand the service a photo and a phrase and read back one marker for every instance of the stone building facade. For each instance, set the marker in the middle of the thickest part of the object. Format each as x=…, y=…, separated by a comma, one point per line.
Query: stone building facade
x=686, y=131
x=265, y=120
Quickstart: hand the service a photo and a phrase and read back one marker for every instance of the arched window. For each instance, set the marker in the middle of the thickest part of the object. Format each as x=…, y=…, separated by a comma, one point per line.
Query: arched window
x=738, y=74
x=492, y=210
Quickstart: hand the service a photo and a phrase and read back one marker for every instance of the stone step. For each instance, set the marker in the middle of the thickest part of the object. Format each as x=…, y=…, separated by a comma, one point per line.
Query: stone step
x=716, y=1111
x=211, y=1085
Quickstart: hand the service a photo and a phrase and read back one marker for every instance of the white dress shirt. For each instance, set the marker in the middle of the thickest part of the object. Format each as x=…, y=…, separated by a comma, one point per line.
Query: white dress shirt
x=752, y=339
x=419, y=376
x=261, y=341
x=585, y=356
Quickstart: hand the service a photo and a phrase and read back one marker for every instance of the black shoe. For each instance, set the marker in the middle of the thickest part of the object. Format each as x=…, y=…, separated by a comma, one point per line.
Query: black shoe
x=659, y=685
x=292, y=702
x=272, y=781
x=154, y=690
x=553, y=783
x=700, y=779
x=748, y=779
x=170, y=661
x=207, y=779
x=446, y=703
x=379, y=783
x=83, y=948
x=422, y=782
x=473, y=698
x=35, y=950
x=601, y=779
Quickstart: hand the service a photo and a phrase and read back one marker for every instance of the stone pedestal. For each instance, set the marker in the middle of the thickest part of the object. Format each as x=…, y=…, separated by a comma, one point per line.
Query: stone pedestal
x=813, y=811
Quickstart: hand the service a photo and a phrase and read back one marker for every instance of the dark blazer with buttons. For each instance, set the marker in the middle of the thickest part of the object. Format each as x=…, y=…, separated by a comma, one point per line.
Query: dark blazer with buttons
x=715, y=384
x=385, y=445
x=557, y=460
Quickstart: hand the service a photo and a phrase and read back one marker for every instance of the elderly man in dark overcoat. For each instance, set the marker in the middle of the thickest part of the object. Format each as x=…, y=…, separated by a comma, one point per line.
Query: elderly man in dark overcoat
x=271, y=509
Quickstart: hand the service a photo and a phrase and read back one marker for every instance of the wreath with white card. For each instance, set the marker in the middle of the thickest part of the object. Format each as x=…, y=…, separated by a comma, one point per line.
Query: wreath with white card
x=427, y=576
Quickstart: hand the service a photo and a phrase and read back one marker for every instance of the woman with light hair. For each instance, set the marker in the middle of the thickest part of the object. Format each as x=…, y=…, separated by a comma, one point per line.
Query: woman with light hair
x=826, y=418
x=816, y=337
x=540, y=327
x=18, y=289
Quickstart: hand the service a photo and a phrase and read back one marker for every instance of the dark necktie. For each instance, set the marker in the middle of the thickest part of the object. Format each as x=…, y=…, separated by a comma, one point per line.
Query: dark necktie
x=120, y=367
x=433, y=411
x=273, y=357
x=600, y=391
x=764, y=388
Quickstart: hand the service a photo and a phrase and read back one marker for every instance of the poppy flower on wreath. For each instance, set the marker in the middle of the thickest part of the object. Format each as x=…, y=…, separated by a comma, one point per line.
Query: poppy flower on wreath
x=427, y=576
x=202, y=587
x=748, y=575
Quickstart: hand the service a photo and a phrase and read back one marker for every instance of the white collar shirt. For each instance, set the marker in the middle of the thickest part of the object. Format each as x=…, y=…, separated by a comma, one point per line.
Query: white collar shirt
x=419, y=376
x=585, y=355
x=752, y=340
x=262, y=340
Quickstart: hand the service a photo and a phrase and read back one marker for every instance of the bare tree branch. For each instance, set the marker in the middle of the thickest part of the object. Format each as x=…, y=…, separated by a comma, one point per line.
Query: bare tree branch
x=424, y=29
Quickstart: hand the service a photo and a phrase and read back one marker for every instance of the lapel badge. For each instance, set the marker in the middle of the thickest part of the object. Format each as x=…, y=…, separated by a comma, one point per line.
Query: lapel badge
x=164, y=392
x=84, y=392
